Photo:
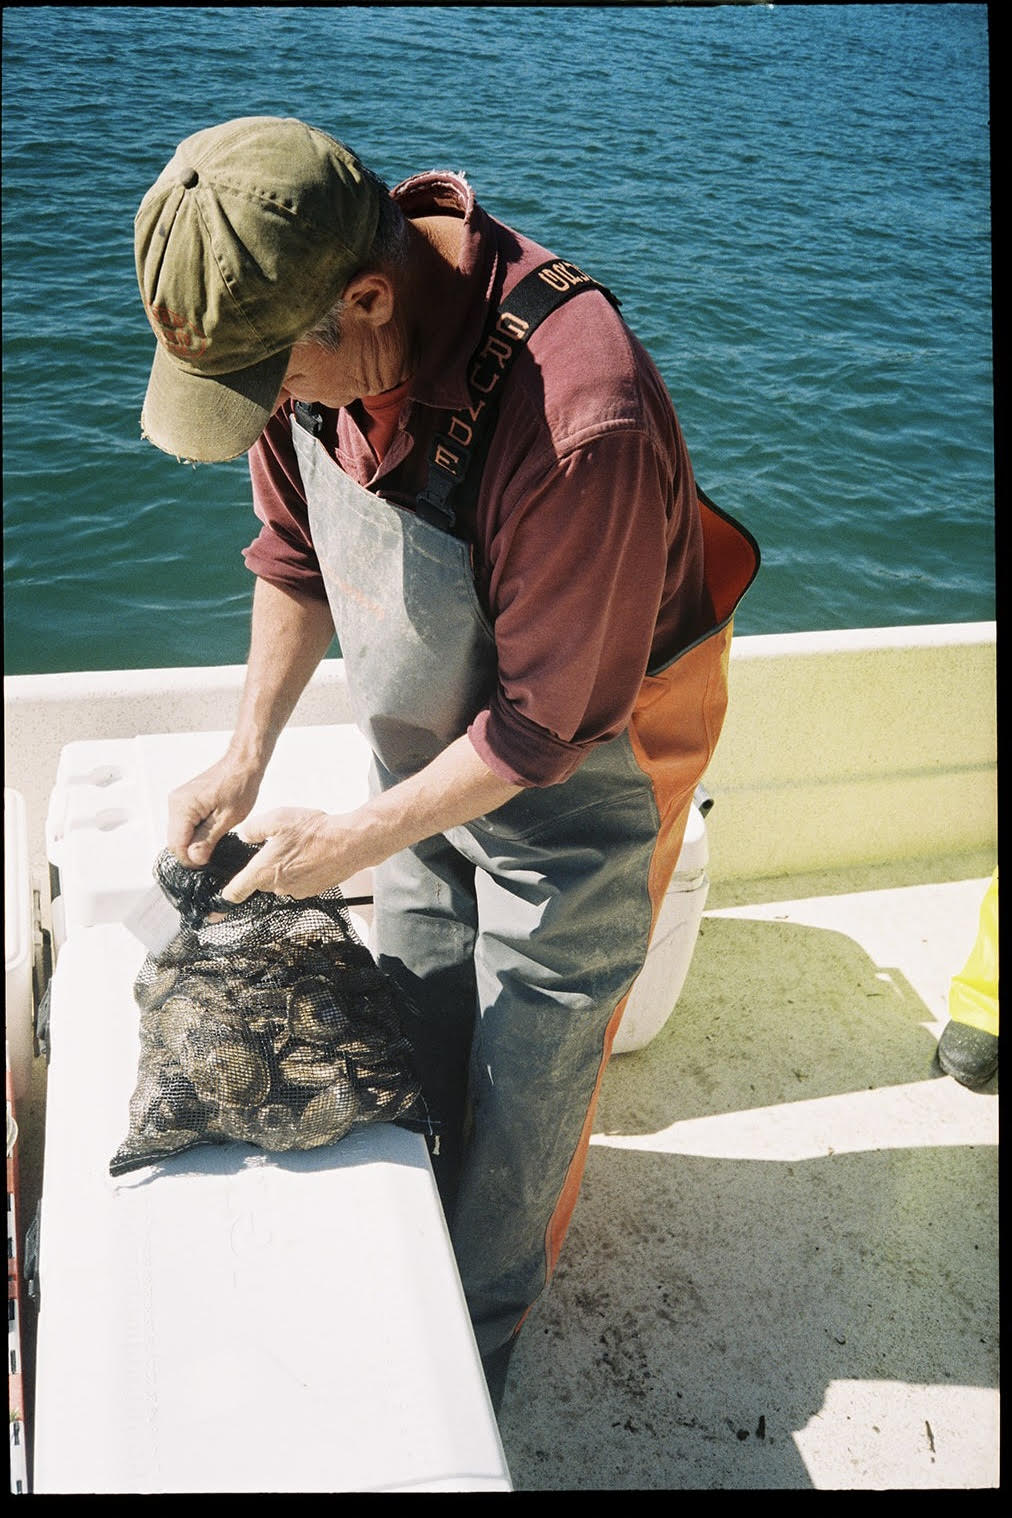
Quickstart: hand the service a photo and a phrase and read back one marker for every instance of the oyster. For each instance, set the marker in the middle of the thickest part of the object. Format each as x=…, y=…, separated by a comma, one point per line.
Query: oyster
x=329, y=1115
x=231, y=1074
x=305, y=1068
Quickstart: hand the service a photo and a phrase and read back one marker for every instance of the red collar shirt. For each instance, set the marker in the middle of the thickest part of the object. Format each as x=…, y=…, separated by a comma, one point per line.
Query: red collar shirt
x=585, y=536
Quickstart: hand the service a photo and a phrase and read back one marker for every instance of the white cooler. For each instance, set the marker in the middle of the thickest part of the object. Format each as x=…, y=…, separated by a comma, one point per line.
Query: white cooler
x=19, y=948
x=230, y=1320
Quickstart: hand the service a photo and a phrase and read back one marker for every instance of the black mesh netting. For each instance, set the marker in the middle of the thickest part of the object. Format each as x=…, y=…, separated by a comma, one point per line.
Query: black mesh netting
x=268, y=1022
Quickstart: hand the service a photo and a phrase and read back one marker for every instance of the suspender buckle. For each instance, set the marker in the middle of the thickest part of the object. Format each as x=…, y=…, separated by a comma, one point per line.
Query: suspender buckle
x=433, y=505
x=308, y=416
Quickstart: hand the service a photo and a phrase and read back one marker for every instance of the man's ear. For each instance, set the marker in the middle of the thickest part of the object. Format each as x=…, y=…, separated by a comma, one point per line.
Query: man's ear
x=371, y=295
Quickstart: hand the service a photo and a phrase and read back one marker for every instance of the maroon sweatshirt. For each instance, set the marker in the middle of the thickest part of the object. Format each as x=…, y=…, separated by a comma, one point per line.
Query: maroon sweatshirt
x=586, y=541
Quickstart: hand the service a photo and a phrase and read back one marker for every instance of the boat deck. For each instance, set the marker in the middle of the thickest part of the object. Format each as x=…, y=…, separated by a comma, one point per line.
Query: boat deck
x=782, y=1272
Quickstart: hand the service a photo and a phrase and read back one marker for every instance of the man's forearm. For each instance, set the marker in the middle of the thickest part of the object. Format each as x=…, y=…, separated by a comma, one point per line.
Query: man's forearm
x=456, y=787
x=290, y=634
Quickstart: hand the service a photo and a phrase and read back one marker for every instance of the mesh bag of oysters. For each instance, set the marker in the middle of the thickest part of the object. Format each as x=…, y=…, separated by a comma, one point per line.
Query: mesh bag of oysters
x=268, y=1022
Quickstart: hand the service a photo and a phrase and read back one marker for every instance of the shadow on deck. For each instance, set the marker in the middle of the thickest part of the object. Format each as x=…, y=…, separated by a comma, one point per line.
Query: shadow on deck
x=782, y=1272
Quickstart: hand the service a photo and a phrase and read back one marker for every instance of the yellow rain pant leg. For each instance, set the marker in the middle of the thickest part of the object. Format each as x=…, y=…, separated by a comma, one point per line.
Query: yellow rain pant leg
x=973, y=995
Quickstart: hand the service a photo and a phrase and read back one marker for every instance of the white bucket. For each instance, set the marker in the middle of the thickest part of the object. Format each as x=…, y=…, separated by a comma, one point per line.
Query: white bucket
x=660, y=982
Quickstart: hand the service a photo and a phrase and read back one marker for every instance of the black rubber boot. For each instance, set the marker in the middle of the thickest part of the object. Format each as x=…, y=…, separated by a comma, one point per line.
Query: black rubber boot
x=968, y=1054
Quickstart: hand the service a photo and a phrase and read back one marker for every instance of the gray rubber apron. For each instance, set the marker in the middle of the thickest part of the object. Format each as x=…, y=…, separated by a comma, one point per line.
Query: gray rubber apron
x=517, y=936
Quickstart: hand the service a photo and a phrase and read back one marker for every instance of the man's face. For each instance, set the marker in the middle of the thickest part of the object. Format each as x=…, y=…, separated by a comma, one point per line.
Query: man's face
x=320, y=375
x=372, y=356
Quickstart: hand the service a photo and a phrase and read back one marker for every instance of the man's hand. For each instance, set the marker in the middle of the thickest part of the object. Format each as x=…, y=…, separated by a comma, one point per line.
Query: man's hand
x=203, y=810
x=305, y=853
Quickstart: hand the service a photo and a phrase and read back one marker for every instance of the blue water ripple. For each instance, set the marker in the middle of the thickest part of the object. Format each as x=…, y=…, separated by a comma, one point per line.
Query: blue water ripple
x=793, y=204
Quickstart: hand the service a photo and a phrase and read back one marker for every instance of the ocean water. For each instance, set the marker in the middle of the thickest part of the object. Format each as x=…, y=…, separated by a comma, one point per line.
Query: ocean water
x=793, y=203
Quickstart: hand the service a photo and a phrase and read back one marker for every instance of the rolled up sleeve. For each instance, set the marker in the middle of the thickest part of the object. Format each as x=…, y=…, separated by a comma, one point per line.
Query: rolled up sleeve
x=520, y=751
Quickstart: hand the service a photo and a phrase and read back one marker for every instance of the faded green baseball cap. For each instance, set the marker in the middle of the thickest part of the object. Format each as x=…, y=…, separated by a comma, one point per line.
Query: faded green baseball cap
x=244, y=241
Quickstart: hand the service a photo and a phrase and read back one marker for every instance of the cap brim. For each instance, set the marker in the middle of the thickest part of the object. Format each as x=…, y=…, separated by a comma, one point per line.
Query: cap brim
x=208, y=418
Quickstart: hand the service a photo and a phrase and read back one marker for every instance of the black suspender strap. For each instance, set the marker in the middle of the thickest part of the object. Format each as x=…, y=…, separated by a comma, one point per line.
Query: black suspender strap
x=454, y=450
